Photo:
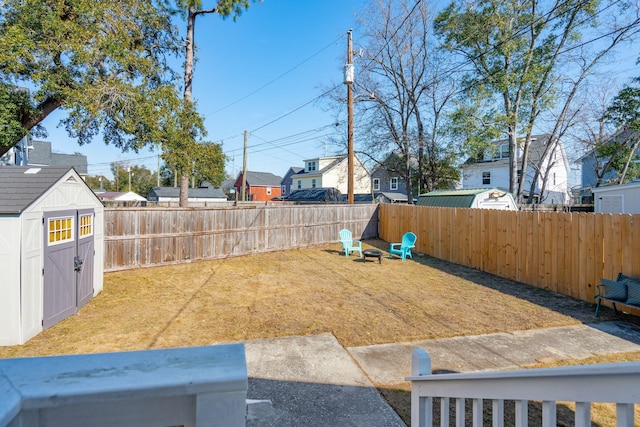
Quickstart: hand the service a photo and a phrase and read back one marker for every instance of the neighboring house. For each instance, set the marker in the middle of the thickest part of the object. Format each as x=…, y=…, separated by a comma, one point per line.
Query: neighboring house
x=172, y=194
x=259, y=186
x=480, y=198
x=589, y=166
x=491, y=170
x=385, y=176
x=617, y=198
x=287, y=182
x=119, y=196
x=38, y=153
x=332, y=172
x=228, y=189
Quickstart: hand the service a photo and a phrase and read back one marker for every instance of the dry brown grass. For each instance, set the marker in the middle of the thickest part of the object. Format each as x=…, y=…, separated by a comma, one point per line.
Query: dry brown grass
x=302, y=292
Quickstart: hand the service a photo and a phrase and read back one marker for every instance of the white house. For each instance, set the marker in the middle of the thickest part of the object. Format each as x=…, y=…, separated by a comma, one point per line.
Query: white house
x=51, y=248
x=617, y=198
x=332, y=172
x=491, y=169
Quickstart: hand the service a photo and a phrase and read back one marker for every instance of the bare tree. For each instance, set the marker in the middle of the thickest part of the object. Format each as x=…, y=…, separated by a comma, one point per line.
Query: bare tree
x=400, y=65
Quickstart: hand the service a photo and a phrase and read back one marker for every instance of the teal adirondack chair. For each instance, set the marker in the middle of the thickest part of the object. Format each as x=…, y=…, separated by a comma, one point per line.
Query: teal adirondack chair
x=348, y=244
x=404, y=249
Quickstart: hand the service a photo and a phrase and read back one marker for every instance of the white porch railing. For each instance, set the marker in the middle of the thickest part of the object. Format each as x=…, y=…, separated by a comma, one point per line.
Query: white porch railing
x=615, y=383
x=198, y=386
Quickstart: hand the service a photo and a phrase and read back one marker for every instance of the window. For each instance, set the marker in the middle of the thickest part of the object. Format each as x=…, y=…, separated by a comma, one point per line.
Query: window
x=299, y=184
x=504, y=151
x=283, y=189
x=60, y=230
x=311, y=166
x=393, y=184
x=313, y=183
x=86, y=225
x=376, y=184
x=486, y=178
x=268, y=191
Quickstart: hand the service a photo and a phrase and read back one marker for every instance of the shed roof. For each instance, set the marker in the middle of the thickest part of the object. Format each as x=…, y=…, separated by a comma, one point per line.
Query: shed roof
x=451, y=198
x=23, y=185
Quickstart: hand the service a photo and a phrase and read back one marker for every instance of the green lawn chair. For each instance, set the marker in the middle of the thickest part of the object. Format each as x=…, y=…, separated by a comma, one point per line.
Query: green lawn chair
x=404, y=249
x=348, y=244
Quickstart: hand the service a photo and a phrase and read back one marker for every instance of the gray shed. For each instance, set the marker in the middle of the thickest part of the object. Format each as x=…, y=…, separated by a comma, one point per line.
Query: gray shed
x=51, y=248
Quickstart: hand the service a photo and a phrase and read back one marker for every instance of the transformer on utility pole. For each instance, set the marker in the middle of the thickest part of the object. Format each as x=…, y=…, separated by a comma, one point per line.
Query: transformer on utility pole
x=348, y=80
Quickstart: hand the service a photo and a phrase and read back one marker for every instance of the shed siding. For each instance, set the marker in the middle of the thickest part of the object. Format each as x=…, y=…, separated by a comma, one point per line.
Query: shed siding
x=10, y=267
x=32, y=297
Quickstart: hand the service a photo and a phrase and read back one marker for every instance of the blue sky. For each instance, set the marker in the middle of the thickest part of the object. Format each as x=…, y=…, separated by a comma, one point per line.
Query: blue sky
x=262, y=74
x=256, y=74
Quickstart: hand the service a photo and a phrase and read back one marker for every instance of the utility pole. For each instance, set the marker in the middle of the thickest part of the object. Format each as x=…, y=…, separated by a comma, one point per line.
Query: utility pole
x=348, y=80
x=244, y=165
x=158, y=170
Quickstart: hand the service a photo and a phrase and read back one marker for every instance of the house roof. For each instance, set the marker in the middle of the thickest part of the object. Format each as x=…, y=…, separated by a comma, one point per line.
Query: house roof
x=451, y=198
x=43, y=155
x=227, y=184
x=258, y=179
x=293, y=170
x=23, y=185
x=200, y=193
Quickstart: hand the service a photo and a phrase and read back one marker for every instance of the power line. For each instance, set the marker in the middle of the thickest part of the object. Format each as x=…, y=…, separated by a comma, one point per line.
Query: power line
x=275, y=79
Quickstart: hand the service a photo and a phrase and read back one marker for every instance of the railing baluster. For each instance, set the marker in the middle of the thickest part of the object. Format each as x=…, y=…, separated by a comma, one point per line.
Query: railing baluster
x=548, y=413
x=624, y=415
x=522, y=413
x=421, y=407
x=616, y=383
x=583, y=414
x=444, y=412
x=477, y=413
x=497, y=412
x=460, y=412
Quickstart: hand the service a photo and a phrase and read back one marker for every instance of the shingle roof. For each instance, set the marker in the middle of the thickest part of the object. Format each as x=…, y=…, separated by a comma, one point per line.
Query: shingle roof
x=200, y=193
x=258, y=179
x=19, y=188
x=41, y=153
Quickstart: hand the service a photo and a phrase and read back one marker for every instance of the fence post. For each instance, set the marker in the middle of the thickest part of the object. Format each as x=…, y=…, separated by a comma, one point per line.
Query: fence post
x=421, y=406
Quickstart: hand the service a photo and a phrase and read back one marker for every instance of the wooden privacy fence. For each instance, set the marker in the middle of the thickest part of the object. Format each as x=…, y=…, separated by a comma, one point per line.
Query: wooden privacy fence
x=142, y=237
x=563, y=252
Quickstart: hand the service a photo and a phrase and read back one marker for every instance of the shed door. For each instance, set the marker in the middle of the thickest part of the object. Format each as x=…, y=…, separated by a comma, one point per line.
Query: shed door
x=59, y=276
x=68, y=263
x=84, y=257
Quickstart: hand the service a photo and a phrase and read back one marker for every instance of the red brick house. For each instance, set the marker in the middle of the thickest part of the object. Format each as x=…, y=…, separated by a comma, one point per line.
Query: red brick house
x=260, y=186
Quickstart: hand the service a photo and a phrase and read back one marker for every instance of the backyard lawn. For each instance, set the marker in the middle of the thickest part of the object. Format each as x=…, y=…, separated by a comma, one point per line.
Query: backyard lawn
x=301, y=292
